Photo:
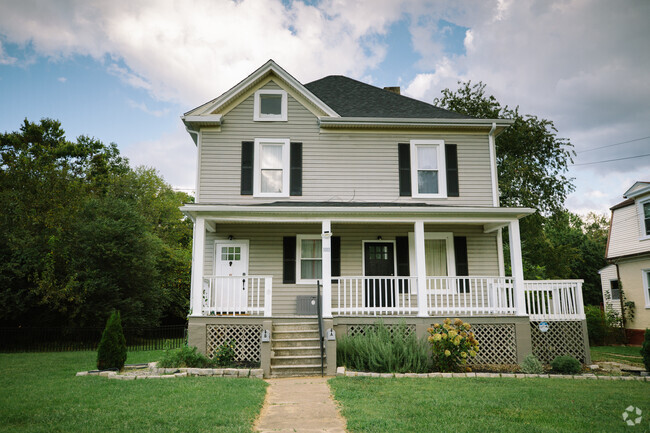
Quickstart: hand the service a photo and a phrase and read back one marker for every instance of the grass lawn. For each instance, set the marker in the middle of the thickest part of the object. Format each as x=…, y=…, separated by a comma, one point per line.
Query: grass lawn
x=488, y=405
x=40, y=393
x=625, y=354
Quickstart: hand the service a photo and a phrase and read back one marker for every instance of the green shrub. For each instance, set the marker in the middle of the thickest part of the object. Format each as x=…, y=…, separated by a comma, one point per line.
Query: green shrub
x=377, y=350
x=596, y=325
x=185, y=357
x=111, y=352
x=452, y=344
x=566, y=365
x=531, y=365
x=225, y=354
x=645, y=350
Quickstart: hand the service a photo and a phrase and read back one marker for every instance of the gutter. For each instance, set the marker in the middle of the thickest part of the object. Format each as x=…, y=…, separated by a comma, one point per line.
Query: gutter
x=369, y=122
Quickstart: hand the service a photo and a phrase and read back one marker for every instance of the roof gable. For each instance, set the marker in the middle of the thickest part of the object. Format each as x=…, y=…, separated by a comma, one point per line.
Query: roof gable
x=637, y=189
x=352, y=98
x=261, y=75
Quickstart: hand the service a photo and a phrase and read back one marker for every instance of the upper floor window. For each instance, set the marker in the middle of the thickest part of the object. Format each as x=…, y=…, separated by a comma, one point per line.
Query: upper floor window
x=271, y=172
x=615, y=291
x=270, y=106
x=428, y=176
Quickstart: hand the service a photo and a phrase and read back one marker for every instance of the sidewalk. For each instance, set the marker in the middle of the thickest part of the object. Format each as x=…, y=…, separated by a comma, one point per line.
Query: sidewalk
x=299, y=405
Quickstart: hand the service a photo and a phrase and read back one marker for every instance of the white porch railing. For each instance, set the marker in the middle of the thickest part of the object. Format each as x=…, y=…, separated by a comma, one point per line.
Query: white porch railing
x=235, y=296
x=554, y=299
x=375, y=296
x=470, y=296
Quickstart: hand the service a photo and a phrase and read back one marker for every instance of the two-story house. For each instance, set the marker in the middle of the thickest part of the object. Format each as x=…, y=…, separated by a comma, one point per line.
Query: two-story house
x=628, y=251
x=388, y=204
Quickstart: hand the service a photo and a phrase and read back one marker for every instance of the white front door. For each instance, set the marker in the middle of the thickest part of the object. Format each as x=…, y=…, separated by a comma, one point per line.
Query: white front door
x=231, y=263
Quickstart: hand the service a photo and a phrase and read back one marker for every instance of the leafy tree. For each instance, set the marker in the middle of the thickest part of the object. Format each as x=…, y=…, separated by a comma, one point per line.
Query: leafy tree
x=83, y=233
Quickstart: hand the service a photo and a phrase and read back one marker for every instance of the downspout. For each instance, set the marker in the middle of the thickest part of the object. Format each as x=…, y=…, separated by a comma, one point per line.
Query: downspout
x=493, y=166
x=197, y=141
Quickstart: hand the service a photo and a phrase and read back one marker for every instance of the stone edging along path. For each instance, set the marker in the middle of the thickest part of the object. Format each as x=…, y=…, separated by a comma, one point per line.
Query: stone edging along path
x=342, y=371
x=153, y=372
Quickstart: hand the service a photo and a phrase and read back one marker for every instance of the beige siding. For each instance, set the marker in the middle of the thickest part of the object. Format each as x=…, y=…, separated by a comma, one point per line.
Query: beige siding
x=336, y=166
x=608, y=274
x=265, y=251
x=631, y=273
x=626, y=231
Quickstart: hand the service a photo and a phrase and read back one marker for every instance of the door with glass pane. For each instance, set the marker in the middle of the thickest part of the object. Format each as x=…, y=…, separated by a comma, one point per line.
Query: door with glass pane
x=379, y=261
x=231, y=293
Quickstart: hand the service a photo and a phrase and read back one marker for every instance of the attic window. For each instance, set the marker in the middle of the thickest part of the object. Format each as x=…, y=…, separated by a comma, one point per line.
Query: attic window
x=270, y=106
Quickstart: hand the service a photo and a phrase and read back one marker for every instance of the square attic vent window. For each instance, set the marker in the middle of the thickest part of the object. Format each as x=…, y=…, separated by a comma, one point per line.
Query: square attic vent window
x=270, y=106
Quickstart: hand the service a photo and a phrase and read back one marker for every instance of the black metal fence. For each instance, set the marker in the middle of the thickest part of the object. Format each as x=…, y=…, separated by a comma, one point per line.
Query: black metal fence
x=72, y=339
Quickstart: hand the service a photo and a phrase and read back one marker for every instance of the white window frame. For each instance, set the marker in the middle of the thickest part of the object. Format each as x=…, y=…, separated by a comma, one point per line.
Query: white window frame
x=257, y=174
x=257, y=106
x=451, y=254
x=640, y=203
x=442, y=169
x=299, y=239
x=646, y=295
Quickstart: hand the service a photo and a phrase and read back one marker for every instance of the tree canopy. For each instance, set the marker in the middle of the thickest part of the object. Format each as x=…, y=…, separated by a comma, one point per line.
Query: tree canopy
x=83, y=234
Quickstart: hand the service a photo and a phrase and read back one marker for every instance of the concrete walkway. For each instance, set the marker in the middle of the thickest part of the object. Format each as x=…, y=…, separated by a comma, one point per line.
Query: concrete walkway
x=299, y=405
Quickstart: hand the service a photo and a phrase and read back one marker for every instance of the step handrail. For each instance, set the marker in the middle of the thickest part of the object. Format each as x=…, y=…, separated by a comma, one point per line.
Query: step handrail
x=320, y=328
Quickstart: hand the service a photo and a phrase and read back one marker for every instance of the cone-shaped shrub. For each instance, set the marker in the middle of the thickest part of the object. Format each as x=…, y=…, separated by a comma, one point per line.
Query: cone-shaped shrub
x=111, y=352
x=645, y=350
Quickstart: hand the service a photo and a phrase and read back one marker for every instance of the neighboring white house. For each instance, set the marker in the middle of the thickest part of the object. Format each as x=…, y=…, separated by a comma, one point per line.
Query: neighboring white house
x=611, y=290
x=389, y=203
x=628, y=248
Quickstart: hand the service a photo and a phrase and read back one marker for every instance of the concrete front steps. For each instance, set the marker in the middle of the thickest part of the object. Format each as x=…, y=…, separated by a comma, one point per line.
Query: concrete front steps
x=295, y=349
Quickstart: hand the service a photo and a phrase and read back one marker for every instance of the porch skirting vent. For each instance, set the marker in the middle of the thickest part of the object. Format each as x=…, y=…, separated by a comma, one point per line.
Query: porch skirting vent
x=246, y=338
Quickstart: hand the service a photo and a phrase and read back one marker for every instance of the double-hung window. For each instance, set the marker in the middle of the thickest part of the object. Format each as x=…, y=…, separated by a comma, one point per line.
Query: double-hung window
x=645, y=273
x=428, y=178
x=310, y=258
x=270, y=106
x=271, y=177
x=644, y=218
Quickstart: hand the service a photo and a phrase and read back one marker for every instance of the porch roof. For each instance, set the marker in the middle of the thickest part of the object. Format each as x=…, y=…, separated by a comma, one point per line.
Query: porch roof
x=491, y=217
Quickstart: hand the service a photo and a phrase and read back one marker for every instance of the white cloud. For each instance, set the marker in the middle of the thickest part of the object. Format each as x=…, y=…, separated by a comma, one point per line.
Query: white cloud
x=6, y=59
x=143, y=107
x=173, y=155
x=192, y=52
x=62, y=79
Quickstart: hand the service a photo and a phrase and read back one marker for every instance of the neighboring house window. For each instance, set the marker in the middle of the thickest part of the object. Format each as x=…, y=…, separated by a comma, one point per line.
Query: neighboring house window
x=271, y=177
x=270, y=106
x=428, y=176
x=614, y=290
x=644, y=213
x=310, y=259
x=646, y=286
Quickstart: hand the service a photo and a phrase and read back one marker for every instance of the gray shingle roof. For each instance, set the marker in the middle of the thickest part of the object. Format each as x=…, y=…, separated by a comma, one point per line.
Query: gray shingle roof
x=352, y=98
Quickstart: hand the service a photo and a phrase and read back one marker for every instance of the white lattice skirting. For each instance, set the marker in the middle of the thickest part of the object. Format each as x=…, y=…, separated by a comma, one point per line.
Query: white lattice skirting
x=497, y=343
x=360, y=329
x=562, y=338
x=247, y=340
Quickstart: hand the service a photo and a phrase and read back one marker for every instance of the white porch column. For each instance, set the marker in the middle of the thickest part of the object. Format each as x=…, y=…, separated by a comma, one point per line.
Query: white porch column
x=421, y=269
x=327, y=268
x=517, y=267
x=198, y=243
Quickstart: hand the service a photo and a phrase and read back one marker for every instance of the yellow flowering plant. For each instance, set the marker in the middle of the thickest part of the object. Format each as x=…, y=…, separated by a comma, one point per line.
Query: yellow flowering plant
x=452, y=343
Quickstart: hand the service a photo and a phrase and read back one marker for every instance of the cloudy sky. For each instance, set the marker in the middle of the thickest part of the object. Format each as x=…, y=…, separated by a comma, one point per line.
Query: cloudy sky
x=125, y=70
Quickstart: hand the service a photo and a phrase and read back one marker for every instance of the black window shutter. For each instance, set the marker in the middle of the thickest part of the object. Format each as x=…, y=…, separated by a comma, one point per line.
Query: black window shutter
x=336, y=257
x=295, y=169
x=247, y=152
x=451, y=161
x=402, y=253
x=462, y=265
x=289, y=260
x=404, y=164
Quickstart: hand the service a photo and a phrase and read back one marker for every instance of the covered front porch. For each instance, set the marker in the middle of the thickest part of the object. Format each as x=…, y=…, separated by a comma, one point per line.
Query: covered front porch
x=267, y=261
